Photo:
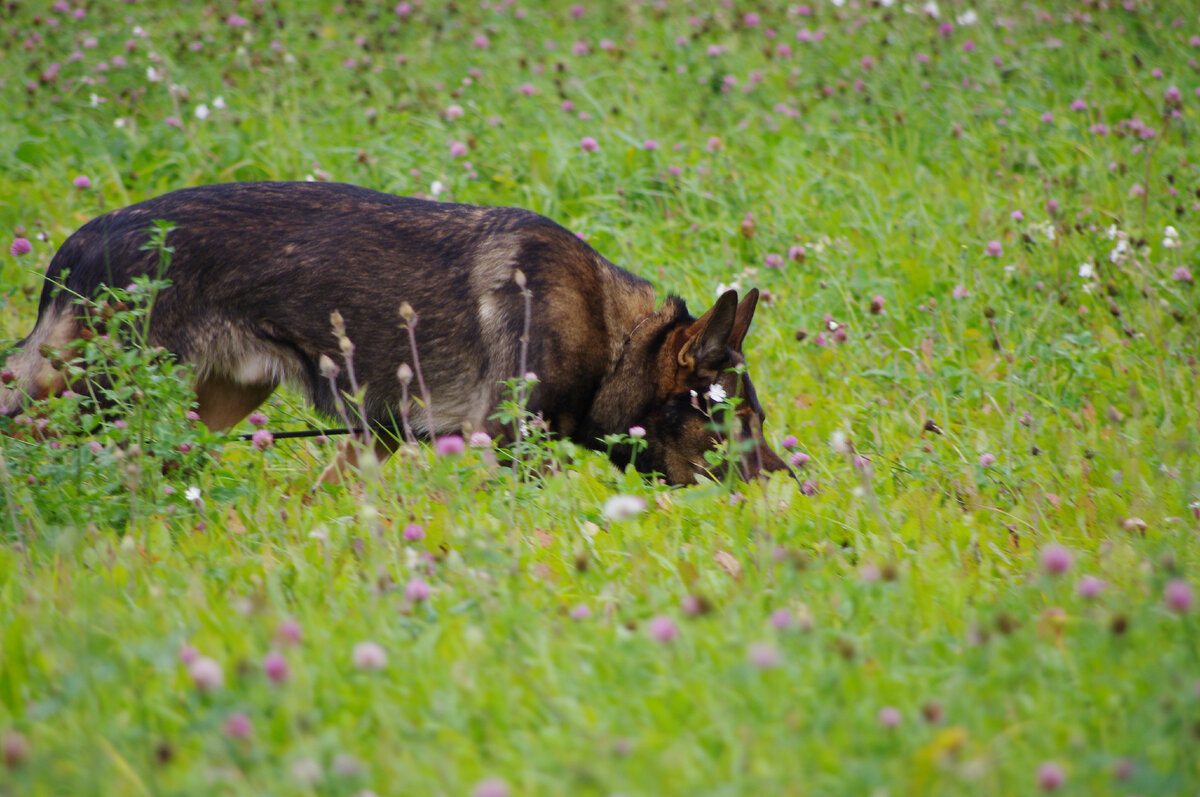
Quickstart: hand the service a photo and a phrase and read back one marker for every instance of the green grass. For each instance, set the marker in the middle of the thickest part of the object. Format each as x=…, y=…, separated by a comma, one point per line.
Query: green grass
x=916, y=585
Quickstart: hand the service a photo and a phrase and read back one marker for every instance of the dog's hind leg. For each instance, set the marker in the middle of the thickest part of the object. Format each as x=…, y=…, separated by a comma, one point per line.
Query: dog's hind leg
x=223, y=402
x=384, y=446
x=31, y=374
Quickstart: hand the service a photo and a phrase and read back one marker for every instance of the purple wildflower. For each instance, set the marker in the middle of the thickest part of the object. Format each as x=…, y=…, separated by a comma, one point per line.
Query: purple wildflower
x=206, y=674
x=491, y=787
x=417, y=590
x=889, y=716
x=1178, y=595
x=276, y=667
x=289, y=632
x=1056, y=559
x=1050, y=776
x=369, y=656
x=1089, y=587
x=662, y=628
x=238, y=726
x=764, y=656
x=262, y=440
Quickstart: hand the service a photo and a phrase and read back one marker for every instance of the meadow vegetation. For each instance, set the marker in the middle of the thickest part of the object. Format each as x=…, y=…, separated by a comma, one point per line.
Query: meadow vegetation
x=975, y=226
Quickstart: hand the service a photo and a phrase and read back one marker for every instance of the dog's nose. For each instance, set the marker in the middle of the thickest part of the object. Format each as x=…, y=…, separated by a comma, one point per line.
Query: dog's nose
x=762, y=460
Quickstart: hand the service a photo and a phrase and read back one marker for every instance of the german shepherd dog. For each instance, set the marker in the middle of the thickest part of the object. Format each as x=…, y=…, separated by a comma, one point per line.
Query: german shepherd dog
x=258, y=269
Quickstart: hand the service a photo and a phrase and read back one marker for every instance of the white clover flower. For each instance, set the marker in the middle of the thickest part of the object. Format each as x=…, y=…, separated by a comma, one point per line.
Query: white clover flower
x=839, y=442
x=437, y=188
x=1086, y=270
x=202, y=112
x=1170, y=238
x=1120, y=252
x=968, y=17
x=1112, y=232
x=206, y=673
x=219, y=103
x=1046, y=229
x=153, y=75
x=931, y=8
x=733, y=286
x=192, y=493
x=307, y=771
x=624, y=507
x=716, y=393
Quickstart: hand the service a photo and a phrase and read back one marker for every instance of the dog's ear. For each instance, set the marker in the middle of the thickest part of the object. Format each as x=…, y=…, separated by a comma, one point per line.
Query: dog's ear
x=741, y=320
x=705, y=348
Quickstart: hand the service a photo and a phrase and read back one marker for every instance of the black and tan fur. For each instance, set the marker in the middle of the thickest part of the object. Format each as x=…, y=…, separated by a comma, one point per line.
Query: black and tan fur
x=258, y=268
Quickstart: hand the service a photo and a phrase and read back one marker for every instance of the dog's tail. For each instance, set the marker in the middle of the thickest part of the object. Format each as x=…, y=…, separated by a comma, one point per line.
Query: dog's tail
x=31, y=372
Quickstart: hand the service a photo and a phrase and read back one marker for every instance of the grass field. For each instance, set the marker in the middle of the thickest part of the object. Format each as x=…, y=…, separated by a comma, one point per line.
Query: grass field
x=976, y=226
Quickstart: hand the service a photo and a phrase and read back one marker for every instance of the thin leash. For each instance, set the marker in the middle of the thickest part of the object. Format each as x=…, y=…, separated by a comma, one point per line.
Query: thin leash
x=305, y=433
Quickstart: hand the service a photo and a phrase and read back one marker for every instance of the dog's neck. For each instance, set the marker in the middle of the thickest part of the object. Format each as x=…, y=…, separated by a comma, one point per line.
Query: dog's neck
x=632, y=332
x=630, y=316
x=626, y=306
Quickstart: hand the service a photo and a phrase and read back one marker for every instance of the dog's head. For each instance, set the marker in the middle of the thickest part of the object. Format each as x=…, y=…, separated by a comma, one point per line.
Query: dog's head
x=676, y=370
